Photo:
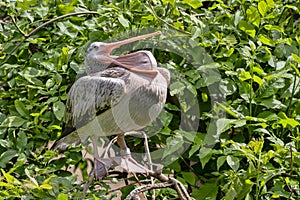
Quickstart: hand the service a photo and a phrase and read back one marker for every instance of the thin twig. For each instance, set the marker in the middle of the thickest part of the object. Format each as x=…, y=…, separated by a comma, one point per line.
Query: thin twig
x=164, y=21
x=19, y=29
x=42, y=26
x=134, y=183
x=58, y=18
x=166, y=182
x=144, y=188
x=150, y=162
x=108, y=147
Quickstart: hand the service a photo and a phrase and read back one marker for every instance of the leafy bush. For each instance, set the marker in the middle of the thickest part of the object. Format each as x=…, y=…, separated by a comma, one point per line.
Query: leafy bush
x=253, y=64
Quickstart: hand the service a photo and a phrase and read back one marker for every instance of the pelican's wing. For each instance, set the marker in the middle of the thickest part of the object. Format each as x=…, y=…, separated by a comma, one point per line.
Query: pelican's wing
x=89, y=96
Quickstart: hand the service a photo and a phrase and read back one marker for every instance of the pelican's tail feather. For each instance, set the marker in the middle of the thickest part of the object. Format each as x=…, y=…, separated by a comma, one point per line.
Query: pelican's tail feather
x=72, y=139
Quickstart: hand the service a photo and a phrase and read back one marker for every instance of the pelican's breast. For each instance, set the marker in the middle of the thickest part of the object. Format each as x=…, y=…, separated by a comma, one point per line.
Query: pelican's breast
x=141, y=104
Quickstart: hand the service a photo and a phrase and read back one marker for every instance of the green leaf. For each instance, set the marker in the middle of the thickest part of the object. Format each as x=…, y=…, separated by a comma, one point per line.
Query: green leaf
x=20, y=107
x=296, y=58
x=270, y=4
x=262, y=8
x=247, y=28
x=59, y=109
x=9, y=178
x=32, y=179
x=223, y=125
x=194, y=149
x=189, y=177
x=65, y=9
x=47, y=187
x=227, y=86
x=272, y=103
x=7, y=156
x=258, y=80
x=253, y=16
x=233, y=162
x=246, y=189
x=176, y=88
x=291, y=122
x=172, y=2
x=174, y=146
x=124, y=22
x=206, y=191
x=193, y=3
x=220, y=161
x=282, y=115
x=13, y=121
x=21, y=140
x=268, y=115
x=266, y=40
x=62, y=196
x=205, y=155
x=66, y=29
x=245, y=76
x=274, y=28
x=32, y=72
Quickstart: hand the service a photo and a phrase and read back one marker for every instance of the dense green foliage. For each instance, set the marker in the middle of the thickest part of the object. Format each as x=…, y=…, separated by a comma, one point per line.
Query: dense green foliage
x=254, y=45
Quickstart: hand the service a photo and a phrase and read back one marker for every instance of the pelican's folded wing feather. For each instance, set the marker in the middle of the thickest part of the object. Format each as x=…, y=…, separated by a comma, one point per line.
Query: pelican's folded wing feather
x=89, y=96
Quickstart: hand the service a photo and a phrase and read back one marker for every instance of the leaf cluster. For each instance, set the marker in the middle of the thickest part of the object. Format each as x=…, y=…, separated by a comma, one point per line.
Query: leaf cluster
x=231, y=122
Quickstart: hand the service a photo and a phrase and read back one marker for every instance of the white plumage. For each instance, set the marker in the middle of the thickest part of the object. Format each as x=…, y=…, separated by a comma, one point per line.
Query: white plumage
x=119, y=94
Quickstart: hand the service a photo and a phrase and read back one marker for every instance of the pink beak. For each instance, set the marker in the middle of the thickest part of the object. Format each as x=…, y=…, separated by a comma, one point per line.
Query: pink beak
x=139, y=62
x=111, y=46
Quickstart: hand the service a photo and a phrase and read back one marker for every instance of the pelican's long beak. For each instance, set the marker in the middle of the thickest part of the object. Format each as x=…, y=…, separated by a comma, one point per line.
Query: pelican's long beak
x=111, y=46
x=136, y=62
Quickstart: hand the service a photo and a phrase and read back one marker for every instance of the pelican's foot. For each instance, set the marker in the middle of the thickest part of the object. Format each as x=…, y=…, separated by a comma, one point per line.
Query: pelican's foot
x=130, y=164
x=101, y=167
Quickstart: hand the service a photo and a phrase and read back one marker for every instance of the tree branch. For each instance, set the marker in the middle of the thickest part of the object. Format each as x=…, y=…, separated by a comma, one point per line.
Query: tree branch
x=59, y=18
x=144, y=188
x=166, y=182
x=26, y=36
x=20, y=30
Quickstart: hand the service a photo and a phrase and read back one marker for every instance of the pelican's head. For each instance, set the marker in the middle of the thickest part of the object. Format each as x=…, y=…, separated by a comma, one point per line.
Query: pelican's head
x=98, y=56
x=97, y=48
x=95, y=51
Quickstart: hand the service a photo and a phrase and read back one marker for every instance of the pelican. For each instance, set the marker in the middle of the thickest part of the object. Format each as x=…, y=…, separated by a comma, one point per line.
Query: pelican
x=119, y=94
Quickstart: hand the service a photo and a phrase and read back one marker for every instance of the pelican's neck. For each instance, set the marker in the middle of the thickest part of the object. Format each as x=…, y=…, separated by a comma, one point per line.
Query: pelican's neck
x=93, y=65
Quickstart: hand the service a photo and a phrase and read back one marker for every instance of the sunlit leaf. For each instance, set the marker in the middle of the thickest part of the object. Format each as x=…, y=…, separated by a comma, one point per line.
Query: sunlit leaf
x=62, y=196
x=193, y=3
x=59, y=109
x=13, y=121
x=123, y=21
x=46, y=186
x=274, y=28
x=266, y=40
x=296, y=58
x=258, y=80
x=233, y=162
x=270, y=3
x=247, y=28
x=253, y=16
x=245, y=76
x=262, y=8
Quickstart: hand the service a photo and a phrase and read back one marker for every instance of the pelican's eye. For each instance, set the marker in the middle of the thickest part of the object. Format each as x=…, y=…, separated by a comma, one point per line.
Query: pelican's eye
x=95, y=47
